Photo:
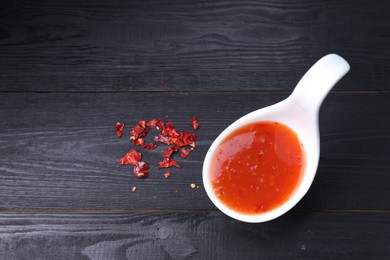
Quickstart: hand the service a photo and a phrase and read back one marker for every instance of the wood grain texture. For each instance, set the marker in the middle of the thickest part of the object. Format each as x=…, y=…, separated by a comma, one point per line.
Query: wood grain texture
x=188, y=45
x=60, y=151
x=69, y=70
x=201, y=235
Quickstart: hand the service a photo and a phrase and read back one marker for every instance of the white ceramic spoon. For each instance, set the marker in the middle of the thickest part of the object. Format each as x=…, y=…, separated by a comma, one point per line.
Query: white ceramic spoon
x=299, y=112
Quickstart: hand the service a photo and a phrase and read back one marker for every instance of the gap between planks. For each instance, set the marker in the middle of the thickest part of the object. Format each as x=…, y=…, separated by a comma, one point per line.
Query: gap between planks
x=116, y=211
x=190, y=92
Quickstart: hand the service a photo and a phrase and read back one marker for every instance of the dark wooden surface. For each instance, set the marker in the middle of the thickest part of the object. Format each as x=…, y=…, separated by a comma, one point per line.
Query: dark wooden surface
x=188, y=45
x=70, y=69
x=200, y=235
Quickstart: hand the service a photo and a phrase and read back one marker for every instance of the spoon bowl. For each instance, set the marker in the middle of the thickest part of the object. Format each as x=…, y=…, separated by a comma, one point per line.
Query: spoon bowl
x=300, y=113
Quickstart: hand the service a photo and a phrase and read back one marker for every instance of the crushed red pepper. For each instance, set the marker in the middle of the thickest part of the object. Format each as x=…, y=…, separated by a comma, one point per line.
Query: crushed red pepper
x=137, y=132
x=141, y=169
x=185, y=138
x=168, y=162
x=185, y=152
x=167, y=174
x=162, y=139
x=119, y=128
x=194, y=123
x=138, y=142
x=150, y=146
x=132, y=157
x=167, y=153
x=169, y=136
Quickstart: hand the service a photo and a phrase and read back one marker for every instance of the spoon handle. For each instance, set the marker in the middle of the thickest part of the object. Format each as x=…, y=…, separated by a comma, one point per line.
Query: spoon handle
x=315, y=85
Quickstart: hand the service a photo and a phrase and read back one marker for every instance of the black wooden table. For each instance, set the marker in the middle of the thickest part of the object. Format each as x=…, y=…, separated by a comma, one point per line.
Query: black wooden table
x=70, y=70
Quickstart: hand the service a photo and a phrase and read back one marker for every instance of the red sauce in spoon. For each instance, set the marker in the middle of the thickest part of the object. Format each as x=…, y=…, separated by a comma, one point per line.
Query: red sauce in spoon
x=257, y=167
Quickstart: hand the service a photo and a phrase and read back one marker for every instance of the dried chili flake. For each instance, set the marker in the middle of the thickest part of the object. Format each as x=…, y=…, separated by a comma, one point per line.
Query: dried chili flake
x=150, y=146
x=185, y=152
x=169, y=136
x=185, y=138
x=142, y=123
x=152, y=122
x=137, y=132
x=166, y=175
x=169, y=124
x=194, y=123
x=141, y=169
x=132, y=157
x=167, y=153
x=174, y=133
x=158, y=123
x=138, y=141
x=162, y=139
x=168, y=162
x=189, y=138
x=167, y=129
x=119, y=128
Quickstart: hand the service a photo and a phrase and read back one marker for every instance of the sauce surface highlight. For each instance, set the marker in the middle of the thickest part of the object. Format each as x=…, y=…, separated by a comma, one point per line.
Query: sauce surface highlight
x=257, y=167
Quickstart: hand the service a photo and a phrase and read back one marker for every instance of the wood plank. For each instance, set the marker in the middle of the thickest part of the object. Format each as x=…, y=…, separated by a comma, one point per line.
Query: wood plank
x=188, y=45
x=200, y=235
x=60, y=151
